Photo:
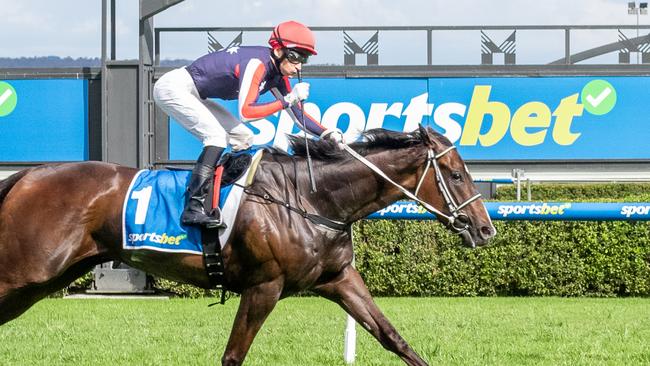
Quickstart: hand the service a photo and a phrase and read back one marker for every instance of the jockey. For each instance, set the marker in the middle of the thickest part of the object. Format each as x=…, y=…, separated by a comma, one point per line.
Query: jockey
x=241, y=73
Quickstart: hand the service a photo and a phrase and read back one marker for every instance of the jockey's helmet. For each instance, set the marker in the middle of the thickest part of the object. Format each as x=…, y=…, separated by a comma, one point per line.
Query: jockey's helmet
x=292, y=35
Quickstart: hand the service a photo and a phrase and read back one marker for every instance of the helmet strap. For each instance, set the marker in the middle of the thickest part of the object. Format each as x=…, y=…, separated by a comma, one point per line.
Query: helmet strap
x=276, y=59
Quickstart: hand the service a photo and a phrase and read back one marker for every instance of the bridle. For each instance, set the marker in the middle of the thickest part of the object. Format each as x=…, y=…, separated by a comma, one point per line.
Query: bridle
x=457, y=221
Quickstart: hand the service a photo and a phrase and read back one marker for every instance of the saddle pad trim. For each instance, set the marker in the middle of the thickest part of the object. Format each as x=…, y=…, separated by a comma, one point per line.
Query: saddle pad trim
x=254, y=164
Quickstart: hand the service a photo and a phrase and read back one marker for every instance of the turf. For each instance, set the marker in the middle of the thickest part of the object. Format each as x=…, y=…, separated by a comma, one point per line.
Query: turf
x=309, y=331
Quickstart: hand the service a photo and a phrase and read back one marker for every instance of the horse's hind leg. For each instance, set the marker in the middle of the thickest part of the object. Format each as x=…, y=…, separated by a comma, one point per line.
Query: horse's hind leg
x=349, y=291
x=255, y=305
x=24, y=289
x=15, y=302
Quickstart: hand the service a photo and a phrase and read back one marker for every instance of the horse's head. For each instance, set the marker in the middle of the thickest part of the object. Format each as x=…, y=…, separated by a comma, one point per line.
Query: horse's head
x=428, y=170
x=444, y=183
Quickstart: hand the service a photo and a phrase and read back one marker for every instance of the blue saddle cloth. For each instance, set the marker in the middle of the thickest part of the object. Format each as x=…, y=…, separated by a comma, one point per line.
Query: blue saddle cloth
x=152, y=209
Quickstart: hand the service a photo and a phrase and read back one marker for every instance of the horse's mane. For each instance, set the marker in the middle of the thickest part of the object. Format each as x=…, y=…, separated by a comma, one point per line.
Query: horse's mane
x=377, y=138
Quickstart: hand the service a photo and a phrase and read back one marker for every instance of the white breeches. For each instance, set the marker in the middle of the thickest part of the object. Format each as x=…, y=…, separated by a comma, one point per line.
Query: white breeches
x=176, y=94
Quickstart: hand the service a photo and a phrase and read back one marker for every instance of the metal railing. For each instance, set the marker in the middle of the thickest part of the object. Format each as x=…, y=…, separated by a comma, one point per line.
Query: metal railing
x=624, y=45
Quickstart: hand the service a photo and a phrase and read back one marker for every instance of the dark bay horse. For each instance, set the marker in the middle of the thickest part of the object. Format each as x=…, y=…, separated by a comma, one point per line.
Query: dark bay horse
x=58, y=221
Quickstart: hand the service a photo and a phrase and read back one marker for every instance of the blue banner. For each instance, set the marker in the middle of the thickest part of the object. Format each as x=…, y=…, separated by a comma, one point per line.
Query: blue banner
x=539, y=211
x=495, y=119
x=44, y=120
x=543, y=118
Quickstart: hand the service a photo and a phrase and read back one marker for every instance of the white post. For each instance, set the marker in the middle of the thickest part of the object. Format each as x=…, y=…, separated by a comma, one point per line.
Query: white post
x=350, y=340
x=350, y=345
x=516, y=173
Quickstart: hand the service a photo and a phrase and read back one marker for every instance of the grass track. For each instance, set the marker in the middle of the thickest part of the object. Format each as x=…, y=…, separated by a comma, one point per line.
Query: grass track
x=309, y=331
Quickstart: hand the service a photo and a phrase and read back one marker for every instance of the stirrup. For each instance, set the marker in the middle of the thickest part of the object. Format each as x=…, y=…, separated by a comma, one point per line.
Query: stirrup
x=220, y=223
x=195, y=217
x=211, y=225
x=205, y=221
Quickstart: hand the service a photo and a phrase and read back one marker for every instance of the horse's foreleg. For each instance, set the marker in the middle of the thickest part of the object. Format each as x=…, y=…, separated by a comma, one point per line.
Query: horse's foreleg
x=349, y=291
x=255, y=305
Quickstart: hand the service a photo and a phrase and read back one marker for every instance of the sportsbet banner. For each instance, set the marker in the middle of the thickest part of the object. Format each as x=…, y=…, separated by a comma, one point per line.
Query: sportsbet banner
x=493, y=119
x=542, y=211
x=43, y=120
x=509, y=118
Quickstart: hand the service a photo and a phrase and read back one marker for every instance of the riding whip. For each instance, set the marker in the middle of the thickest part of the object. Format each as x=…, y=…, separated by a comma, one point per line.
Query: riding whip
x=304, y=129
x=278, y=95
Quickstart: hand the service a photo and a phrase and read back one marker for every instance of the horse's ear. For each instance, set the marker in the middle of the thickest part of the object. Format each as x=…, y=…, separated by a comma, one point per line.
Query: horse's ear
x=425, y=135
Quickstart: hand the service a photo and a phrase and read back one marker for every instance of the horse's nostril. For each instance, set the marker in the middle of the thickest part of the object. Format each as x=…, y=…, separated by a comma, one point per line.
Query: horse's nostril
x=486, y=231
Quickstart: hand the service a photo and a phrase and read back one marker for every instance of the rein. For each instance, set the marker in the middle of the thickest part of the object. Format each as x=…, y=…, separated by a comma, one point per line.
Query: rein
x=453, y=223
x=456, y=220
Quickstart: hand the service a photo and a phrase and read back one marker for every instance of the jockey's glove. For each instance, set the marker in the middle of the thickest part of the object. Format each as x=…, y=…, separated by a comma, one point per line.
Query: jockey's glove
x=299, y=92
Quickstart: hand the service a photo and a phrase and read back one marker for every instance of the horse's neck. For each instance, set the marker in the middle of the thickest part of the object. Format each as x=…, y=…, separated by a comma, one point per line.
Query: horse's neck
x=351, y=191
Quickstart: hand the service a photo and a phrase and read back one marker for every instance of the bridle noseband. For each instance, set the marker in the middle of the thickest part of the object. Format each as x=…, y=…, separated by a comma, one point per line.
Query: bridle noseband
x=453, y=223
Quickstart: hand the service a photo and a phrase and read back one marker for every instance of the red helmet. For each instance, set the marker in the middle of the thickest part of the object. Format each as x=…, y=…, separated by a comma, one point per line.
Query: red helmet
x=292, y=34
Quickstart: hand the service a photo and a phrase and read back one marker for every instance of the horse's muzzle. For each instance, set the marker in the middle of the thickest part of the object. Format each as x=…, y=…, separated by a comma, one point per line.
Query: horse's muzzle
x=472, y=235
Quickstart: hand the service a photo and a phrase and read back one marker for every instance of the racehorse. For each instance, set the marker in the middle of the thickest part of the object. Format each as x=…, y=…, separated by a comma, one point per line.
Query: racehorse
x=57, y=221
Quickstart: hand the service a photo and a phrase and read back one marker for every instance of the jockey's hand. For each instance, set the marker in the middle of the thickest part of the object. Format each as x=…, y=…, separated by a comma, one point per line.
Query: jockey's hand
x=299, y=92
x=335, y=135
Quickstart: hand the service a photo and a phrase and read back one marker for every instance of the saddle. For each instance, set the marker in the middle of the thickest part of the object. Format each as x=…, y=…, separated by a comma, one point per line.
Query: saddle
x=229, y=169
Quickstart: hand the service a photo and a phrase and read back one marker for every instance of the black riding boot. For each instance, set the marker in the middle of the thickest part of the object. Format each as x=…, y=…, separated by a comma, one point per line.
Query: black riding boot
x=198, y=188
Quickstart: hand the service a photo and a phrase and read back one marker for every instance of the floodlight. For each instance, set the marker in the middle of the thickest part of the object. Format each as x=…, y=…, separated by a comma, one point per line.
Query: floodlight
x=631, y=7
x=643, y=8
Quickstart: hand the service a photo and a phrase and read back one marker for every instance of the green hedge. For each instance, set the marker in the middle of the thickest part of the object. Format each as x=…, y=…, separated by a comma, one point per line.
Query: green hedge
x=421, y=258
x=399, y=258
x=604, y=192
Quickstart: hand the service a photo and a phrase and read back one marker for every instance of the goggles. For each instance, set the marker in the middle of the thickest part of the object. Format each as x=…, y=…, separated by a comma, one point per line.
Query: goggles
x=296, y=57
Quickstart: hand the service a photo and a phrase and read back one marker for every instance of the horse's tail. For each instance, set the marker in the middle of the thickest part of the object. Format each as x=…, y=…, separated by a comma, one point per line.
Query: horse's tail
x=7, y=184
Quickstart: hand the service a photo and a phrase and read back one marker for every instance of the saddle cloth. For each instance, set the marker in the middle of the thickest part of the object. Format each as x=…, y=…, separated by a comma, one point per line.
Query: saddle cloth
x=154, y=203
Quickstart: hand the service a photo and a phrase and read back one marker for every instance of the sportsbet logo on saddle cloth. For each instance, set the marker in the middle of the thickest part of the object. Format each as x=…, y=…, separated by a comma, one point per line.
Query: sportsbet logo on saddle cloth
x=154, y=203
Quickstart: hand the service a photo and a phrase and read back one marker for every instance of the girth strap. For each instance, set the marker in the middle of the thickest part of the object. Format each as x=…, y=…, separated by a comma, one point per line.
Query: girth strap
x=316, y=219
x=212, y=260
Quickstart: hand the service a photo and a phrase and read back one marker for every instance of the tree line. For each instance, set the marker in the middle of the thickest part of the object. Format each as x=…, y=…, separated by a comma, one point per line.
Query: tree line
x=56, y=62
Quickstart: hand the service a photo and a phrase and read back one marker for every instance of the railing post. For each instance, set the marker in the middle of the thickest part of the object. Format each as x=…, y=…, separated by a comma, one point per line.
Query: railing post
x=429, y=47
x=567, y=46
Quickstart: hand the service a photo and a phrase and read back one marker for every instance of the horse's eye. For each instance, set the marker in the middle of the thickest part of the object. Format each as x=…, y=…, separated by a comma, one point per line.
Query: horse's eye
x=455, y=175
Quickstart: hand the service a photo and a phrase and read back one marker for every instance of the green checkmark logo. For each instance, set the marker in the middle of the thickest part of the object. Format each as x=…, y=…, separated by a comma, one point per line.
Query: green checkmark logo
x=598, y=97
x=8, y=98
